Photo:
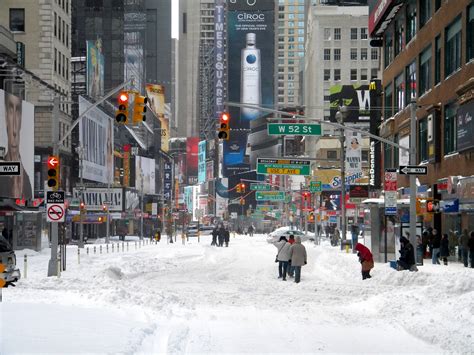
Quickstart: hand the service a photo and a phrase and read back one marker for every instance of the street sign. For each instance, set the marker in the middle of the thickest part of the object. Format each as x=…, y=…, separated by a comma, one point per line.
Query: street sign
x=270, y=195
x=315, y=186
x=413, y=170
x=53, y=161
x=55, y=210
x=260, y=187
x=55, y=197
x=293, y=129
x=390, y=203
x=283, y=166
x=10, y=168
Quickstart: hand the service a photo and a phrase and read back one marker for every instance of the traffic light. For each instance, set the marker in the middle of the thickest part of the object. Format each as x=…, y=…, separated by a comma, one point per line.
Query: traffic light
x=242, y=187
x=139, y=109
x=311, y=217
x=432, y=206
x=238, y=189
x=104, y=208
x=53, y=172
x=224, y=128
x=121, y=115
x=82, y=207
x=242, y=201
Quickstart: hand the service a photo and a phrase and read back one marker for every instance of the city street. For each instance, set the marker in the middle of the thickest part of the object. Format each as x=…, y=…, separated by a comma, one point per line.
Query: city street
x=194, y=298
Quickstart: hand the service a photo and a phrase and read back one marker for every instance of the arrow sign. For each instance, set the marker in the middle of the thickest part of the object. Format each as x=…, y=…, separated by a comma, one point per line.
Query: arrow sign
x=53, y=161
x=413, y=170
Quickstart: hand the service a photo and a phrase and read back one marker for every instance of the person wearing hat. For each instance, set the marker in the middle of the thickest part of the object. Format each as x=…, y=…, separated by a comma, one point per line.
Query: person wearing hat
x=407, y=256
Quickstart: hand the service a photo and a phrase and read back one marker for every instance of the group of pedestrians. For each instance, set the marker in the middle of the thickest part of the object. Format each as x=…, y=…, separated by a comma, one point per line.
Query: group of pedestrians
x=291, y=256
x=220, y=235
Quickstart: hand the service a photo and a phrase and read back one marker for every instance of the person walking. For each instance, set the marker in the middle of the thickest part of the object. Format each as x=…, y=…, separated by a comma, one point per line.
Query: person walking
x=214, y=234
x=291, y=268
x=366, y=260
x=444, y=248
x=282, y=257
x=419, y=249
x=435, y=244
x=221, y=236
x=226, y=236
x=463, y=243
x=470, y=245
x=407, y=256
x=298, y=257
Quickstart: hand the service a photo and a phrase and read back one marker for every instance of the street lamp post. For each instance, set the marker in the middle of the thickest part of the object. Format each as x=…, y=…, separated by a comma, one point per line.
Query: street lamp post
x=340, y=115
x=141, y=202
x=80, y=150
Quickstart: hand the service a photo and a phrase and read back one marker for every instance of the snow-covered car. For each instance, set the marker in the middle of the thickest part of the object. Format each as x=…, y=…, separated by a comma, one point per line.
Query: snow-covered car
x=11, y=273
x=286, y=232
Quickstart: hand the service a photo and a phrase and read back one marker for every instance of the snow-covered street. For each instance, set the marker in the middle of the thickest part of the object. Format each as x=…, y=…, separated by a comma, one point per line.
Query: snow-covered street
x=194, y=298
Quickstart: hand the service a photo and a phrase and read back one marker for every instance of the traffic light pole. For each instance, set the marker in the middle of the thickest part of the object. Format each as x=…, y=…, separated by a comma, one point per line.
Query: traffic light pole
x=413, y=177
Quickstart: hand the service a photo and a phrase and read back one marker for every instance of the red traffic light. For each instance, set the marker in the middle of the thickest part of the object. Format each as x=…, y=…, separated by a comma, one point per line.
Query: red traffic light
x=53, y=161
x=123, y=97
x=225, y=117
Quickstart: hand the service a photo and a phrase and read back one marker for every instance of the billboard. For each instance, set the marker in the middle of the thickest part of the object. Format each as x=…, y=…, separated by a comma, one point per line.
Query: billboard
x=156, y=102
x=465, y=129
x=192, y=159
x=353, y=154
x=167, y=180
x=17, y=140
x=202, y=162
x=95, y=69
x=96, y=135
x=219, y=56
x=95, y=198
x=331, y=179
x=145, y=174
x=251, y=37
x=355, y=97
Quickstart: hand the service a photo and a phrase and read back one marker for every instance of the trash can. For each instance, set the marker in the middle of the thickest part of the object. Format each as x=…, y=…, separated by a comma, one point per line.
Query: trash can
x=393, y=264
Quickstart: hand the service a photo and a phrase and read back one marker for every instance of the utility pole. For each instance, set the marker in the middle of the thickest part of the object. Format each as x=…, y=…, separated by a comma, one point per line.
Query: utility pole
x=141, y=200
x=413, y=177
x=80, y=150
x=340, y=115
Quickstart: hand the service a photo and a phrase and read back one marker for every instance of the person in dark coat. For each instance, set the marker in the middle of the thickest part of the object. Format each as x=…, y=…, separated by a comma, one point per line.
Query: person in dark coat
x=425, y=242
x=214, y=233
x=407, y=256
x=221, y=236
x=291, y=269
x=298, y=257
x=435, y=244
x=444, y=248
x=226, y=236
x=366, y=260
x=463, y=243
x=470, y=245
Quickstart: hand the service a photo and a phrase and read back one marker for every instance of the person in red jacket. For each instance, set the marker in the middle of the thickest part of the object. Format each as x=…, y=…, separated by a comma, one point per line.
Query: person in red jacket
x=366, y=259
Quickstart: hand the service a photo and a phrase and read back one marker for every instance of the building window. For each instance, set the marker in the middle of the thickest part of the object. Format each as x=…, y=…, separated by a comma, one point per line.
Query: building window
x=363, y=33
x=332, y=154
x=387, y=156
x=337, y=74
x=399, y=93
x=55, y=60
x=373, y=73
x=425, y=12
x=353, y=74
x=470, y=34
x=438, y=4
x=363, y=74
x=363, y=54
x=327, y=74
x=437, y=59
x=411, y=19
x=327, y=54
x=337, y=54
x=410, y=75
x=452, y=47
x=388, y=104
x=17, y=20
x=327, y=34
x=353, y=33
x=337, y=34
x=374, y=54
x=423, y=140
x=425, y=71
x=281, y=16
x=353, y=53
x=388, y=48
x=365, y=155
x=399, y=35
x=450, y=143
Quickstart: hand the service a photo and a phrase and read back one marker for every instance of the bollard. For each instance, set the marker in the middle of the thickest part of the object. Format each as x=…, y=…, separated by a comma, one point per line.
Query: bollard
x=135, y=245
x=127, y=246
x=87, y=250
x=183, y=239
x=78, y=256
x=94, y=249
x=112, y=247
x=25, y=264
x=107, y=248
x=347, y=248
x=123, y=246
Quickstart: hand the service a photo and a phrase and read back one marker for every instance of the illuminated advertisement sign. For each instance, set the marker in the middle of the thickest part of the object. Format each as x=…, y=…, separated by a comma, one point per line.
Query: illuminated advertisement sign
x=95, y=69
x=202, y=162
x=156, y=102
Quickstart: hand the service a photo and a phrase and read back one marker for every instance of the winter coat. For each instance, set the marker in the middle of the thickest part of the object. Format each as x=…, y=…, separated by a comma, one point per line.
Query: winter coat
x=298, y=255
x=291, y=241
x=407, y=253
x=226, y=236
x=444, y=247
x=283, y=250
x=365, y=257
x=436, y=241
x=464, y=240
x=470, y=244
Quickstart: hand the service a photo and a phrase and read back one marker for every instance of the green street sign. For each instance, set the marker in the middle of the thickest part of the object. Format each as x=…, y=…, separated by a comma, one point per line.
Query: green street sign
x=283, y=166
x=293, y=129
x=270, y=195
x=263, y=208
x=260, y=187
x=315, y=186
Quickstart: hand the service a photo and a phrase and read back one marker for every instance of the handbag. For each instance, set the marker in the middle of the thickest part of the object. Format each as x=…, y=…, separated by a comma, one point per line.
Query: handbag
x=276, y=258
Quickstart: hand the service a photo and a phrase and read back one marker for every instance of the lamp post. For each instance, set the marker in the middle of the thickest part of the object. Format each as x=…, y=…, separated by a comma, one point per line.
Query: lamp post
x=80, y=151
x=141, y=202
x=340, y=115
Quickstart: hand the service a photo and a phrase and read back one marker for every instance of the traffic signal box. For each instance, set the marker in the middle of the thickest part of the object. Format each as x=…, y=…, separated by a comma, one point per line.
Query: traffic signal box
x=237, y=189
x=121, y=115
x=53, y=172
x=224, y=128
x=82, y=207
x=432, y=206
x=242, y=188
x=139, y=109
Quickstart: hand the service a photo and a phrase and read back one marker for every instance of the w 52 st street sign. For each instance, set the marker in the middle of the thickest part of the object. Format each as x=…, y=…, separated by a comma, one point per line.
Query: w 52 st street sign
x=294, y=129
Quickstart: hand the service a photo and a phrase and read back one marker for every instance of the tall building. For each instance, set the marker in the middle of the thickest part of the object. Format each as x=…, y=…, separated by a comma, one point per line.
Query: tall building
x=290, y=50
x=428, y=53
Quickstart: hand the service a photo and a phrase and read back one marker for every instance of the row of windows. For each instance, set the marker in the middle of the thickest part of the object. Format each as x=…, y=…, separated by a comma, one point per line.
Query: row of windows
x=62, y=35
x=291, y=2
x=291, y=8
x=289, y=77
x=290, y=24
x=354, y=74
x=420, y=75
x=64, y=4
x=61, y=64
x=300, y=47
x=290, y=39
x=290, y=69
x=291, y=31
x=299, y=16
x=374, y=54
x=282, y=54
x=353, y=34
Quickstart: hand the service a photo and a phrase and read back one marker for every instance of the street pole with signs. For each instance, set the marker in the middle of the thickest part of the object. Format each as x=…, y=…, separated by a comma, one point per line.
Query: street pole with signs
x=340, y=116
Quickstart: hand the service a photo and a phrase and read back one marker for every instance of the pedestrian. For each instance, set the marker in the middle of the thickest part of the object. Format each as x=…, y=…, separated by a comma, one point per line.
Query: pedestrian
x=470, y=245
x=419, y=249
x=158, y=235
x=407, y=256
x=291, y=268
x=453, y=242
x=435, y=244
x=214, y=233
x=298, y=257
x=355, y=236
x=366, y=260
x=464, y=244
x=430, y=241
x=226, y=236
x=251, y=229
x=282, y=257
x=221, y=236
x=424, y=240
x=444, y=248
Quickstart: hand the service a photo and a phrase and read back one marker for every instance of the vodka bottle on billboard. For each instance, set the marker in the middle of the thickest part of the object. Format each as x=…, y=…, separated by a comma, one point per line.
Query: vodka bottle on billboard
x=250, y=89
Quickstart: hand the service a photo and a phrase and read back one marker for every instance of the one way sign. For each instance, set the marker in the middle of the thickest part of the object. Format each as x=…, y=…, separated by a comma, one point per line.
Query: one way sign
x=9, y=168
x=413, y=170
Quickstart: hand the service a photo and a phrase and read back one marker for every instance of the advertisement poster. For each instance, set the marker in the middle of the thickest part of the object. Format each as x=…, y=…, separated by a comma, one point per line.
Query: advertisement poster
x=145, y=174
x=465, y=129
x=95, y=69
x=353, y=154
x=167, y=180
x=95, y=198
x=202, y=162
x=17, y=142
x=156, y=102
x=331, y=179
x=251, y=37
x=331, y=200
x=219, y=57
x=192, y=159
x=96, y=135
x=355, y=97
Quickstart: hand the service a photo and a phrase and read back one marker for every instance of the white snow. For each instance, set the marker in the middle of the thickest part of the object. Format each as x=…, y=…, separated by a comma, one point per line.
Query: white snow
x=194, y=298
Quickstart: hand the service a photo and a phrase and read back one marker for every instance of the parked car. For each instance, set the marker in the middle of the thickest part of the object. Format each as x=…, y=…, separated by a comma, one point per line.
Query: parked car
x=192, y=231
x=205, y=230
x=8, y=258
x=286, y=232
